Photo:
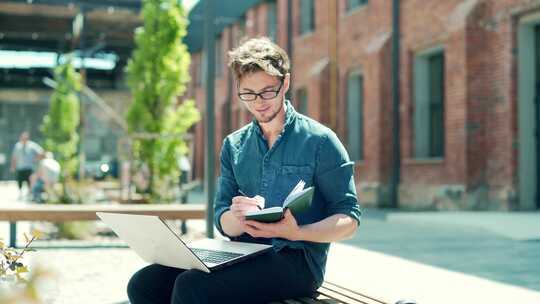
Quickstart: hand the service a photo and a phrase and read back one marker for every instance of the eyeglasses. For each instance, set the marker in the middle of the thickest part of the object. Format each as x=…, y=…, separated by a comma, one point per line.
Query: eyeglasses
x=264, y=95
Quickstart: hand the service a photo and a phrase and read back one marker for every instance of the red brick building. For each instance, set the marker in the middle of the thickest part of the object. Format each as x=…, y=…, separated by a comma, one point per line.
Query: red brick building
x=468, y=84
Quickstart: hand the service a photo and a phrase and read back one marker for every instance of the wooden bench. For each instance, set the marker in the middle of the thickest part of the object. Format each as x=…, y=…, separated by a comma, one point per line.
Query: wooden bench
x=78, y=212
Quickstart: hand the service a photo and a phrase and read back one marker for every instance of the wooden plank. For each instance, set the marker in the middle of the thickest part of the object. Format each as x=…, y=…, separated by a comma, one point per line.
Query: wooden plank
x=346, y=295
x=62, y=213
x=329, y=296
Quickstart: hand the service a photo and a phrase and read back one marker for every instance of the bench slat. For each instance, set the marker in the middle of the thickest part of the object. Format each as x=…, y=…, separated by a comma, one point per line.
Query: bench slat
x=346, y=295
x=74, y=212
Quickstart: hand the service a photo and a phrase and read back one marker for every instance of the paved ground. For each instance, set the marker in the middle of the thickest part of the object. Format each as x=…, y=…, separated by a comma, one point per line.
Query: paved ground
x=482, y=254
x=504, y=247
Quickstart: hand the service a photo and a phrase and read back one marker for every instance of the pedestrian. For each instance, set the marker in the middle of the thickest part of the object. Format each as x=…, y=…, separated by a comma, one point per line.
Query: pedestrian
x=267, y=158
x=24, y=159
x=46, y=175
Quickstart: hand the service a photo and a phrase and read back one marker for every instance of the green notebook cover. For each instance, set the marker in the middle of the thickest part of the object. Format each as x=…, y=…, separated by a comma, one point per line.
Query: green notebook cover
x=297, y=203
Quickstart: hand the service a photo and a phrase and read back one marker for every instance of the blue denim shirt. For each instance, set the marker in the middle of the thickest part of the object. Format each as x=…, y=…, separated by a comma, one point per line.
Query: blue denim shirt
x=304, y=150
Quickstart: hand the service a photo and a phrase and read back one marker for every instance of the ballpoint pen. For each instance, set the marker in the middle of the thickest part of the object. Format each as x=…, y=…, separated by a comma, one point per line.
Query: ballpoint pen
x=243, y=194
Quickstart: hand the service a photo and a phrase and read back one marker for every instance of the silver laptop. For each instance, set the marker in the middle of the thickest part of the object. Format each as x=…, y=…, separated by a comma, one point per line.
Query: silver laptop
x=155, y=242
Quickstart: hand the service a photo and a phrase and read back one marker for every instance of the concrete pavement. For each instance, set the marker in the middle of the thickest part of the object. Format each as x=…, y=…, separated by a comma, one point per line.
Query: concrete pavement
x=498, y=246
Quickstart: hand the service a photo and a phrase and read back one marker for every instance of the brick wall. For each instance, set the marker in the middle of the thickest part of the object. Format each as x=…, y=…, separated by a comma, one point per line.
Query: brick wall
x=479, y=169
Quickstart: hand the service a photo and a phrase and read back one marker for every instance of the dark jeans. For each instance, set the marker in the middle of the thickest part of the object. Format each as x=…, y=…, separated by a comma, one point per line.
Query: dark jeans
x=22, y=176
x=272, y=276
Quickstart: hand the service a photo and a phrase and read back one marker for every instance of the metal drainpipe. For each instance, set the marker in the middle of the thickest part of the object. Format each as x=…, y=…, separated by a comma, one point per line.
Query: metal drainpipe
x=333, y=52
x=209, y=45
x=290, y=42
x=396, y=155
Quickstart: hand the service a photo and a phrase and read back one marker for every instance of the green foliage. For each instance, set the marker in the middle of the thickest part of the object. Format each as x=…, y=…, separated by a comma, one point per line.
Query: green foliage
x=11, y=259
x=157, y=73
x=60, y=124
x=17, y=284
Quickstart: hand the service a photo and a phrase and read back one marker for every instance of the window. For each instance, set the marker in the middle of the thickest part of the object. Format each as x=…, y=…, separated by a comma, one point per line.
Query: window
x=354, y=4
x=302, y=101
x=272, y=21
x=241, y=29
x=202, y=69
x=307, y=16
x=429, y=104
x=219, y=56
x=355, y=116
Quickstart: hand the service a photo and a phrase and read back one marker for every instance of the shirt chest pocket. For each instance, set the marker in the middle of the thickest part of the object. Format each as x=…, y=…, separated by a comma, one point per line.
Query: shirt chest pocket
x=288, y=176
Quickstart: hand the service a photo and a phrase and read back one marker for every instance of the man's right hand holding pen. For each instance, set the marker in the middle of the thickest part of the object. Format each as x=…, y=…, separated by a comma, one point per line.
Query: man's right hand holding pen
x=243, y=203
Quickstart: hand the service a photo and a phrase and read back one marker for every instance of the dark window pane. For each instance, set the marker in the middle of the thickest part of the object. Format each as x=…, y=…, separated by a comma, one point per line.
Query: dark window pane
x=202, y=70
x=219, y=57
x=436, y=94
x=272, y=20
x=307, y=16
x=352, y=4
x=241, y=29
x=302, y=101
x=355, y=117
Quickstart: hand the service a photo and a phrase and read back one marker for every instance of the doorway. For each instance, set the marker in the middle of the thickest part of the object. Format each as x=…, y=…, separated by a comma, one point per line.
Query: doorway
x=537, y=111
x=529, y=112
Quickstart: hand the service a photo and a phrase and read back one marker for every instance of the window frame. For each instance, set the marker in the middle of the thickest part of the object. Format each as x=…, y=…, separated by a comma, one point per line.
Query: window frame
x=357, y=154
x=303, y=106
x=302, y=28
x=272, y=29
x=425, y=106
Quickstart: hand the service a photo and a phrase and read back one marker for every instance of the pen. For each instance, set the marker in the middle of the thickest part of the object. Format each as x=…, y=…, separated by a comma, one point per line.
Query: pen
x=243, y=194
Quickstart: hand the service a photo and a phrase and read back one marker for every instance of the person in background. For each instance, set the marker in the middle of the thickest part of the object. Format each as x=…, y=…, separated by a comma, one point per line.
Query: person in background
x=23, y=160
x=47, y=174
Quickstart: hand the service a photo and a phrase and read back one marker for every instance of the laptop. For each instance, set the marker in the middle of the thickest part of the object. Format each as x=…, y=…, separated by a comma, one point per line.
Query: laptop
x=155, y=242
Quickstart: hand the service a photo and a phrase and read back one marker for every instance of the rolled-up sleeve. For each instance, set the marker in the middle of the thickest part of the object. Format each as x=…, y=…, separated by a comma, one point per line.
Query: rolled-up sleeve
x=227, y=185
x=335, y=178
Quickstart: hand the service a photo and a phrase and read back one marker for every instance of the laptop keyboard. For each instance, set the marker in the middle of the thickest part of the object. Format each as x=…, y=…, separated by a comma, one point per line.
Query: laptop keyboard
x=216, y=257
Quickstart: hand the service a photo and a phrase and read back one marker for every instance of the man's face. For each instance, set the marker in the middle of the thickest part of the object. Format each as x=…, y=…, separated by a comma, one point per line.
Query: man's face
x=264, y=110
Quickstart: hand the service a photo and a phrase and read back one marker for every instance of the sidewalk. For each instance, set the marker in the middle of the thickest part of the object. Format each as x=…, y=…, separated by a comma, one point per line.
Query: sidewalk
x=391, y=279
x=499, y=246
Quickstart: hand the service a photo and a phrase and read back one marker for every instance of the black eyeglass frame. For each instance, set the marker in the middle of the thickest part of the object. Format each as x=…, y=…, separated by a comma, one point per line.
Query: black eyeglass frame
x=260, y=95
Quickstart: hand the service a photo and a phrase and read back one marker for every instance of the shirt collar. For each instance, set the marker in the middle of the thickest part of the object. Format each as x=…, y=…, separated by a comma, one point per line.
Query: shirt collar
x=290, y=114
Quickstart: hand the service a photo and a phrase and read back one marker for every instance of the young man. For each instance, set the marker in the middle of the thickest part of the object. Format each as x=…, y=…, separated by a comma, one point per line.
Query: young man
x=23, y=160
x=267, y=158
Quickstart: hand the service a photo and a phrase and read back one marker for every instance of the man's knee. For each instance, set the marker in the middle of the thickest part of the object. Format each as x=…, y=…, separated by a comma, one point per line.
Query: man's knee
x=134, y=286
x=191, y=287
x=139, y=282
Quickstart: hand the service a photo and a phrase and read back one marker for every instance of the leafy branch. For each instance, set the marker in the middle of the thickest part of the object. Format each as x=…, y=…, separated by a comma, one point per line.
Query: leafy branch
x=10, y=264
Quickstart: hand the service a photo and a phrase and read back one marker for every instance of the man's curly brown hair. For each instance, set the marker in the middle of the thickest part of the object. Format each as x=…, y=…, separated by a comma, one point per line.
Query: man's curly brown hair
x=259, y=54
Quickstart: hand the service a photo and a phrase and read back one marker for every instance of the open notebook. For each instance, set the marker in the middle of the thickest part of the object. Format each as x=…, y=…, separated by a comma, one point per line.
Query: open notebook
x=298, y=200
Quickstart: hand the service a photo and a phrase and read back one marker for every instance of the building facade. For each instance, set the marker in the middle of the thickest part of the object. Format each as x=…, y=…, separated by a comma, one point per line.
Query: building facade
x=469, y=86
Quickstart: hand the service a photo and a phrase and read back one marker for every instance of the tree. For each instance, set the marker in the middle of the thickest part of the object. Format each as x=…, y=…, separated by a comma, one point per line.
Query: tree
x=157, y=74
x=60, y=125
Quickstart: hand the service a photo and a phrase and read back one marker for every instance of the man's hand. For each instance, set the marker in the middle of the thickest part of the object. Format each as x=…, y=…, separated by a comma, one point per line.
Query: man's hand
x=242, y=204
x=287, y=228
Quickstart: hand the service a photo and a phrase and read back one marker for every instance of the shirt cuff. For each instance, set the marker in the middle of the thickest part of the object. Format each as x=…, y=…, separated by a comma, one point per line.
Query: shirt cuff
x=217, y=216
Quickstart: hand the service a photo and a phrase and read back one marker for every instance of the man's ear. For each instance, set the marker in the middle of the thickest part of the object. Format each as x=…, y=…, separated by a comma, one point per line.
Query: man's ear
x=286, y=83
